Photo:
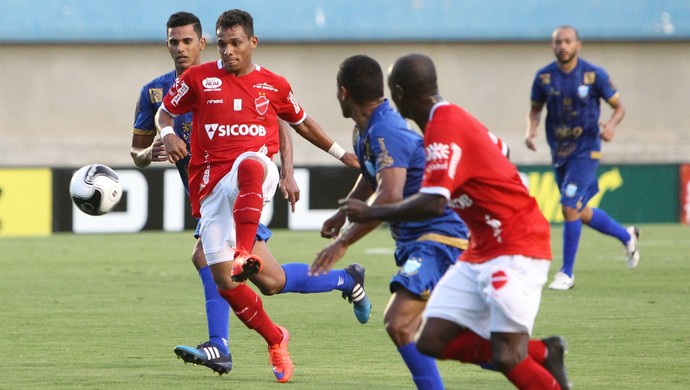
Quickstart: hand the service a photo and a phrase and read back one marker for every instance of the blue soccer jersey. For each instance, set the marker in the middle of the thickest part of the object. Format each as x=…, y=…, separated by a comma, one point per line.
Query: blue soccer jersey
x=389, y=142
x=150, y=99
x=573, y=105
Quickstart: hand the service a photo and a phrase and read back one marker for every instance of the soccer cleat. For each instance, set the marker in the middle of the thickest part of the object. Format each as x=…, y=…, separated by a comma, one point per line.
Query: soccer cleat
x=279, y=357
x=554, y=362
x=245, y=265
x=631, y=247
x=562, y=282
x=358, y=297
x=207, y=355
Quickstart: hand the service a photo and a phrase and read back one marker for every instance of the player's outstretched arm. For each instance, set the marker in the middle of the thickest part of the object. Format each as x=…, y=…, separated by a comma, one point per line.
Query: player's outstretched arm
x=311, y=130
x=416, y=207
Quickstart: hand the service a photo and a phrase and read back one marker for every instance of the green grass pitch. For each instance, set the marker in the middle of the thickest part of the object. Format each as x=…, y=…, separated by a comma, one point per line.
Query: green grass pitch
x=105, y=311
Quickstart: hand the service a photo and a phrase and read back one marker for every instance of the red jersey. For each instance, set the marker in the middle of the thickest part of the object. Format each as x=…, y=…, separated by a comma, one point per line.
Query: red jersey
x=483, y=187
x=231, y=115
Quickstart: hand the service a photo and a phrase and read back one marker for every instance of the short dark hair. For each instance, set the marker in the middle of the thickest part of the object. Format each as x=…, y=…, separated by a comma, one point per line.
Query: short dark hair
x=363, y=78
x=416, y=74
x=236, y=17
x=180, y=19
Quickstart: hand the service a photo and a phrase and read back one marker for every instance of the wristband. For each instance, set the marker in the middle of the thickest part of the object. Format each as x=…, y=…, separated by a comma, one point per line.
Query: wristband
x=167, y=130
x=336, y=151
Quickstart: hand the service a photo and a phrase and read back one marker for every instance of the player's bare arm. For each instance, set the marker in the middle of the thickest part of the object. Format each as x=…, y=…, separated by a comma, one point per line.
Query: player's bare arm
x=416, y=207
x=288, y=185
x=362, y=190
x=608, y=128
x=174, y=146
x=390, y=184
x=311, y=130
x=146, y=149
x=533, y=120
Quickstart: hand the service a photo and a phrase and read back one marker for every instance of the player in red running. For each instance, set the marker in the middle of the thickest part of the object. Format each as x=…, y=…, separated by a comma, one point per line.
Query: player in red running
x=235, y=133
x=484, y=307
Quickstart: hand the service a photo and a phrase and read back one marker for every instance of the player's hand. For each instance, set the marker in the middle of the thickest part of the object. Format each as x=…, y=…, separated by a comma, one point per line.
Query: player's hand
x=355, y=209
x=158, y=151
x=331, y=227
x=529, y=142
x=175, y=147
x=350, y=159
x=327, y=257
x=290, y=190
x=606, y=131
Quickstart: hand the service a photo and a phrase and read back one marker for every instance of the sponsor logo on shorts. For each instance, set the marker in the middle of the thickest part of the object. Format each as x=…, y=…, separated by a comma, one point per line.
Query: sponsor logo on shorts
x=570, y=190
x=411, y=266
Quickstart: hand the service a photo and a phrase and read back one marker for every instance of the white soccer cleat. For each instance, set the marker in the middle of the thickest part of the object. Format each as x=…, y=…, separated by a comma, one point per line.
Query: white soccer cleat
x=562, y=282
x=631, y=247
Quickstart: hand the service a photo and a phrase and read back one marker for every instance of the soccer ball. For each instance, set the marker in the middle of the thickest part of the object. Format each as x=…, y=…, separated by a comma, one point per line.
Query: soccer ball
x=95, y=189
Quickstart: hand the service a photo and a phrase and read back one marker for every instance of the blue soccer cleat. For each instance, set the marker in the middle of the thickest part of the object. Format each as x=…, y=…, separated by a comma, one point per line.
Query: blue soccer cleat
x=358, y=297
x=205, y=354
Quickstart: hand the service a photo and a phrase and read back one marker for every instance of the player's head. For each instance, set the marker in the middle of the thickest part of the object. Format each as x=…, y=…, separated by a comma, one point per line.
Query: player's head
x=566, y=43
x=360, y=80
x=236, y=40
x=412, y=79
x=184, y=39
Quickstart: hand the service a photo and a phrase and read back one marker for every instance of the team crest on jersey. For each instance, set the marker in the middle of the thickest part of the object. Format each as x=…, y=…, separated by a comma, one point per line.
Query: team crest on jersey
x=411, y=266
x=261, y=103
x=545, y=78
x=156, y=95
x=590, y=77
x=583, y=91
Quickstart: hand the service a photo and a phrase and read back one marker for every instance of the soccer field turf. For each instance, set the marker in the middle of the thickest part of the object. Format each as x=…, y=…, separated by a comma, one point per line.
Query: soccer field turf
x=105, y=311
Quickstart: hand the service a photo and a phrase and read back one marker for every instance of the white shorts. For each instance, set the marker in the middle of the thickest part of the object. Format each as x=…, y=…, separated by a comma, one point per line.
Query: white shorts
x=500, y=295
x=217, y=222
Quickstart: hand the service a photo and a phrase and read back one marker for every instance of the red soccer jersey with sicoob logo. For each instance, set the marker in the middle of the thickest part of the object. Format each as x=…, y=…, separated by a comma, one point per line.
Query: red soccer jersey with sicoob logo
x=231, y=115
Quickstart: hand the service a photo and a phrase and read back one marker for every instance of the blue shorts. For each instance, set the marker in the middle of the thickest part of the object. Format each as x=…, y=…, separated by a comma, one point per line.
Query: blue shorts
x=577, y=181
x=422, y=263
x=262, y=232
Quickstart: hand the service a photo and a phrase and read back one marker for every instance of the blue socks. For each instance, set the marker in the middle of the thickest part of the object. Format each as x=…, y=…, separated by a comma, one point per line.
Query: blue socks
x=423, y=368
x=297, y=280
x=571, y=240
x=217, y=312
x=603, y=223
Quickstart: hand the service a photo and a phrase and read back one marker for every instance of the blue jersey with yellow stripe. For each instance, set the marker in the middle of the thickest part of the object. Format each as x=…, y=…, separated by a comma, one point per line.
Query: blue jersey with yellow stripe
x=389, y=142
x=573, y=106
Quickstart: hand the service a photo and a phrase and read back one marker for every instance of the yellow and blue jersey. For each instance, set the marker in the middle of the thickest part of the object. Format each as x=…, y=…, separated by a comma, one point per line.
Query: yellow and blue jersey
x=150, y=99
x=572, y=101
x=389, y=142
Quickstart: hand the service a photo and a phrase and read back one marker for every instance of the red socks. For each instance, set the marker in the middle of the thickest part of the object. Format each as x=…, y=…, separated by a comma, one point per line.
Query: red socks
x=249, y=308
x=468, y=347
x=529, y=375
x=249, y=202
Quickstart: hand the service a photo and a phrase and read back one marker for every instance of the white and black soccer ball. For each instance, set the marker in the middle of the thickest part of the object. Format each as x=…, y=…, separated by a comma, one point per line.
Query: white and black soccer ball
x=95, y=189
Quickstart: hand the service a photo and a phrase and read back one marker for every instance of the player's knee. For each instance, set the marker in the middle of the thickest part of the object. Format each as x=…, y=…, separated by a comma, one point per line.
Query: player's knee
x=429, y=345
x=267, y=288
x=250, y=171
x=399, y=330
x=198, y=258
x=505, y=359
